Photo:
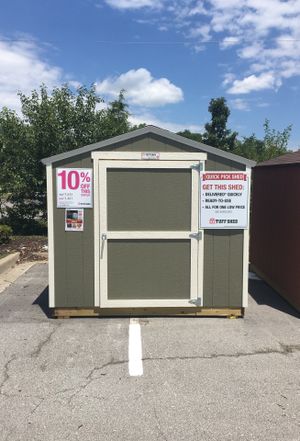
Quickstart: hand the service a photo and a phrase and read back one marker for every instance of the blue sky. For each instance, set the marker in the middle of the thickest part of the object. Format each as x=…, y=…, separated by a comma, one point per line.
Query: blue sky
x=172, y=57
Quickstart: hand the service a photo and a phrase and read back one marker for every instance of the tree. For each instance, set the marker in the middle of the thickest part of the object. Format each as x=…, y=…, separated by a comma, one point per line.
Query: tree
x=273, y=144
x=216, y=133
x=250, y=147
x=191, y=135
x=49, y=123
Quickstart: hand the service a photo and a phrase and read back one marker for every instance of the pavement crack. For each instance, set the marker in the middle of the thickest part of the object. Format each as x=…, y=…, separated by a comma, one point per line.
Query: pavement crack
x=103, y=366
x=285, y=350
x=6, y=375
x=37, y=406
x=288, y=349
x=90, y=376
x=158, y=425
x=44, y=342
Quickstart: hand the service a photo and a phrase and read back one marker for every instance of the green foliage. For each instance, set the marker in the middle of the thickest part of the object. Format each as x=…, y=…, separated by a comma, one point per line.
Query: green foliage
x=273, y=144
x=51, y=123
x=250, y=147
x=5, y=233
x=216, y=133
x=194, y=136
x=61, y=120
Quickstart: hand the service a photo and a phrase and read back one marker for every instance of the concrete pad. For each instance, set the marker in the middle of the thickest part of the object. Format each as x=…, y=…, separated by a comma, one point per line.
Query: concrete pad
x=204, y=378
x=11, y=274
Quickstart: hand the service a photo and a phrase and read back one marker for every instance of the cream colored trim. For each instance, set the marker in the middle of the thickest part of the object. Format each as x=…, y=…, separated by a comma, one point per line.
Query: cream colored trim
x=49, y=174
x=163, y=156
x=101, y=257
x=194, y=231
x=200, y=245
x=148, y=164
x=154, y=303
x=246, y=247
x=96, y=234
x=102, y=241
x=148, y=235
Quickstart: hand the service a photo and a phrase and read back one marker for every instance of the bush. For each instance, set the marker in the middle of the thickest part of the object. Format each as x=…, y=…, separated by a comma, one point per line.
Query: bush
x=26, y=227
x=5, y=233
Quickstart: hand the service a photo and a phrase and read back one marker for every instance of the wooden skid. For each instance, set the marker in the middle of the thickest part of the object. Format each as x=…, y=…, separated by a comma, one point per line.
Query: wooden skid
x=114, y=312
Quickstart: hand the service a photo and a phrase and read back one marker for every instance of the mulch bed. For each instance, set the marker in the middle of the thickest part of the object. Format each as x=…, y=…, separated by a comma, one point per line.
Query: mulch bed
x=31, y=248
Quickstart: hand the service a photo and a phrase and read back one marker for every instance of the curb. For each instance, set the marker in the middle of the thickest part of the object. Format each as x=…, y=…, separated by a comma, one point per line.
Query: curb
x=8, y=262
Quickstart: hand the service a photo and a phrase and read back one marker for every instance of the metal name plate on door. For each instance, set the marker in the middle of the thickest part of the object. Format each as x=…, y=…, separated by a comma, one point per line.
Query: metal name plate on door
x=150, y=156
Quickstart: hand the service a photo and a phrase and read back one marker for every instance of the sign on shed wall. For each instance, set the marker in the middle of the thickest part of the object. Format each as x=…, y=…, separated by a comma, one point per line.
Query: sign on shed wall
x=74, y=187
x=224, y=200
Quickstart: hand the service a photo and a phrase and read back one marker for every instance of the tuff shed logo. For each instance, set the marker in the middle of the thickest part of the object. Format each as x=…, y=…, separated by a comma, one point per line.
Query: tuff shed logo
x=212, y=221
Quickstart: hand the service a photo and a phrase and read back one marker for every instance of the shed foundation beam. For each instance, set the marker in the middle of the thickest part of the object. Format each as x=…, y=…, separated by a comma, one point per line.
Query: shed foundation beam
x=124, y=312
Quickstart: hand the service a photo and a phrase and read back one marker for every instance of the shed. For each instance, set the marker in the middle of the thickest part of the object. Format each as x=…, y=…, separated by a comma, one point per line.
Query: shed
x=275, y=237
x=129, y=233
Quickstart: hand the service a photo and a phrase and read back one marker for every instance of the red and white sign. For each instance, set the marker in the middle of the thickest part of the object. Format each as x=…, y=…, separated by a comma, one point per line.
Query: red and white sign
x=74, y=219
x=74, y=187
x=224, y=200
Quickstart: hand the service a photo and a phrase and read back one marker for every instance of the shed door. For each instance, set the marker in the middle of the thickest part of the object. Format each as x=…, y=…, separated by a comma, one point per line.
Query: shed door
x=151, y=250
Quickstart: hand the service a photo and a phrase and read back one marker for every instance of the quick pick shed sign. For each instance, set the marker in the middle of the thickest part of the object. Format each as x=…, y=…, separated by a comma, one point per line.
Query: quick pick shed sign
x=224, y=200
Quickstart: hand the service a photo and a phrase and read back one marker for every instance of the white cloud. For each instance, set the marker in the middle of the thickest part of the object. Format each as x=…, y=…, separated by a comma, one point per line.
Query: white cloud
x=252, y=51
x=198, y=9
x=133, y=4
x=141, y=88
x=240, y=104
x=229, y=42
x=22, y=69
x=75, y=84
x=254, y=83
x=150, y=119
x=101, y=106
x=265, y=34
x=228, y=78
x=202, y=32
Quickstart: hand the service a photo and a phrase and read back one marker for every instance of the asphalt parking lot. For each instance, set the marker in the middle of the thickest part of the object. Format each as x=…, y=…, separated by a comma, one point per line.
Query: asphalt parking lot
x=203, y=378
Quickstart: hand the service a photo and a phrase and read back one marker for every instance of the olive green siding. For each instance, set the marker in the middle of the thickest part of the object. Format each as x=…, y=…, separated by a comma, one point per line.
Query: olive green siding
x=74, y=251
x=223, y=268
x=149, y=269
x=148, y=200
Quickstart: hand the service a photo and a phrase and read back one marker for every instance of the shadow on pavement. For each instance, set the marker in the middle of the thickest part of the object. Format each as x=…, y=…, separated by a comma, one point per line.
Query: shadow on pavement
x=263, y=294
x=42, y=302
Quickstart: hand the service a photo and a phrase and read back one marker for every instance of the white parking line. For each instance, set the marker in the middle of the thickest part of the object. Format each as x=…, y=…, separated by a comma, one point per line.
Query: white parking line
x=135, y=362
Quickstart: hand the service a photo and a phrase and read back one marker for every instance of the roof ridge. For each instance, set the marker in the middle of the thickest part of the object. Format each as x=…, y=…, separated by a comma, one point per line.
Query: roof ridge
x=145, y=131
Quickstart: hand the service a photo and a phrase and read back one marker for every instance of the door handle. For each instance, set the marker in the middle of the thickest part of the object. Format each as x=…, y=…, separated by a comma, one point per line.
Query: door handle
x=103, y=238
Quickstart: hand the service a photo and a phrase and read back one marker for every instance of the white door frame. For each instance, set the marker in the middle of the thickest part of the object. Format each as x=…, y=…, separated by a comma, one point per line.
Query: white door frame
x=105, y=160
